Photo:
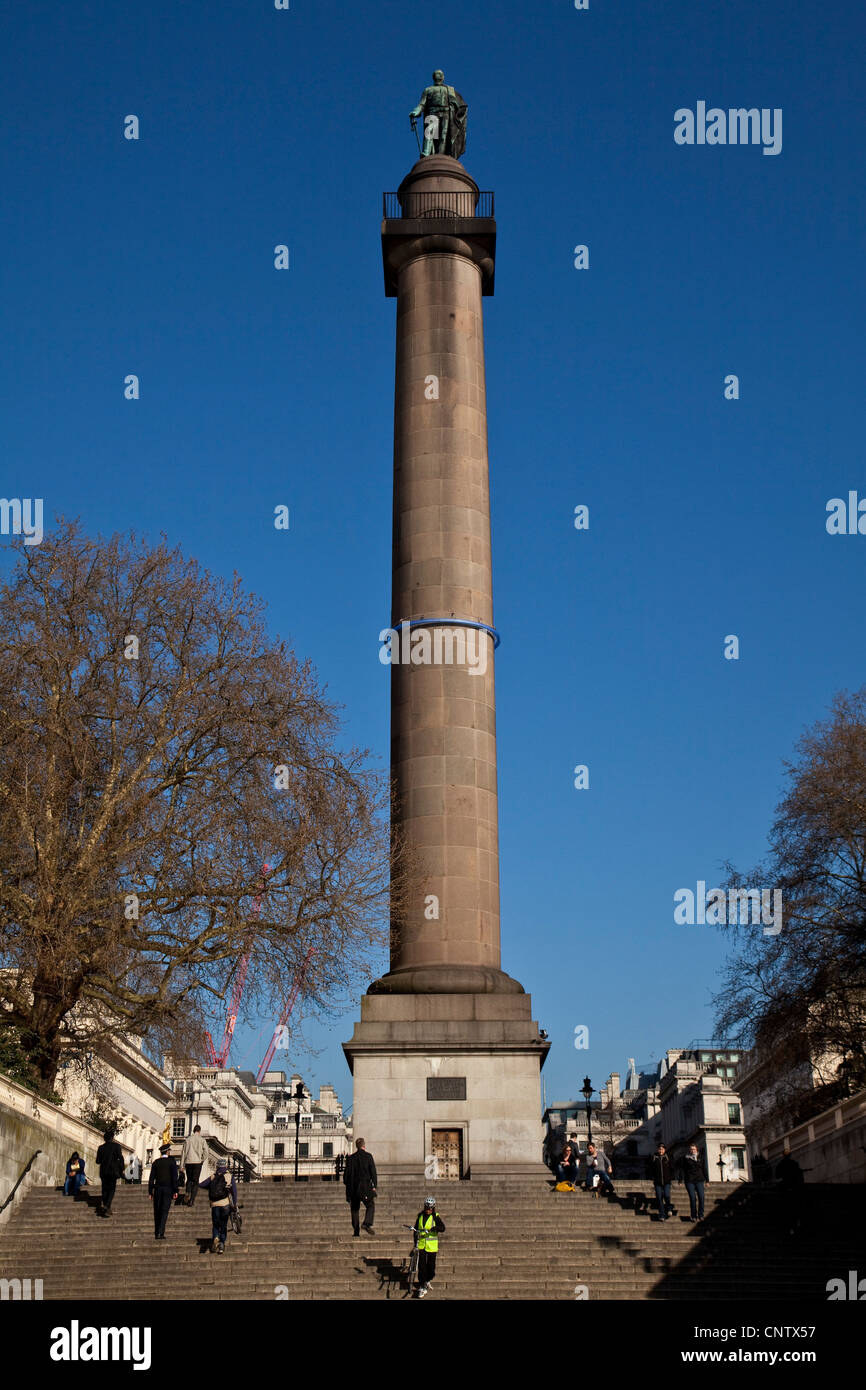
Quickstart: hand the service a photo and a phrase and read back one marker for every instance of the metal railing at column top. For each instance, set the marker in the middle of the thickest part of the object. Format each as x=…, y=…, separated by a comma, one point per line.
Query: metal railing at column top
x=446, y=204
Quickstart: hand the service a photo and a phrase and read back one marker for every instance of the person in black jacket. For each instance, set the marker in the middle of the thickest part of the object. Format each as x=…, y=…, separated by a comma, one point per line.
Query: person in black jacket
x=361, y=1182
x=110, y=1160
x=162, y=1186
x=694, y=1176
x=661, y=1177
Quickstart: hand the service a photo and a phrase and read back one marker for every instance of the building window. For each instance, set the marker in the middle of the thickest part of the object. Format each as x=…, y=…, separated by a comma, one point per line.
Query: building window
x=739, y=1159
x=327, y=1150
x=279, y=1151
x=306, y=1122
x=178, y=1127
x=733, y=1114
x=303, y=1151
x=706, y=1056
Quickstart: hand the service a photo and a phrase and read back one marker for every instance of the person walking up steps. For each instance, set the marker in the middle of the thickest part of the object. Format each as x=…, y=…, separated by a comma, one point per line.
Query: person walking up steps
x=162, y=1185
x=428, y=1224
x=223, y=1196
x=194, y=1155
x=109, y=1158
x=361, y=1183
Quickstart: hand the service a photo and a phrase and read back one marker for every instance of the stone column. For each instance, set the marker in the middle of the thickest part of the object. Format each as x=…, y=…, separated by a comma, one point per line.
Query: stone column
x=446, y=1038
x=443, y=712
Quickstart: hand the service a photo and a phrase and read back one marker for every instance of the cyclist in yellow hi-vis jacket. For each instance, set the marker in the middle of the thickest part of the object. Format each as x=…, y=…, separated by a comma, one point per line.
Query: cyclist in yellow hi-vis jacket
x=428, y=1224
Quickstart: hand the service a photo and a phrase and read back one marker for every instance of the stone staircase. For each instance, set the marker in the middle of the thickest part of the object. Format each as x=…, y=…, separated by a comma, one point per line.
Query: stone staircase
x=507, y=1239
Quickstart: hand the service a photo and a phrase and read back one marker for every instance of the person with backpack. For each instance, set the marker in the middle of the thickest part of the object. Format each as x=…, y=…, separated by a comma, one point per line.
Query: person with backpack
x=223, y=1196
x=109, y=1159
x=428, y=1224
x=162, y=1188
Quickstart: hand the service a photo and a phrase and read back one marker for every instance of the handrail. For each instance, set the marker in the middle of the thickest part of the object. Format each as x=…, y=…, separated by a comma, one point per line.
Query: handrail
x=21, y=1178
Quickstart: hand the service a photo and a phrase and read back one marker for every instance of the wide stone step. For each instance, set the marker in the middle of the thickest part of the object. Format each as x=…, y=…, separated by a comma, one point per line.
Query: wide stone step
x=510, y=1240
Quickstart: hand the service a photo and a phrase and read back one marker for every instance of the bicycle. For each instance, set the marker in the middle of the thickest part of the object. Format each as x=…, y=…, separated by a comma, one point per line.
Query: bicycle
x=413, y=1258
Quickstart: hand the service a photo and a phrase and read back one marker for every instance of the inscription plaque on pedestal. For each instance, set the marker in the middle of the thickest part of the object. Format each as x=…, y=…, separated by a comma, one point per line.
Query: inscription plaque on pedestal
x=446, y=1087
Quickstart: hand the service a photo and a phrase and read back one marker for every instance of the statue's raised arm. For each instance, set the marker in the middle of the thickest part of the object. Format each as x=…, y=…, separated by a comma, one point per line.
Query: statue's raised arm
x=444, y=112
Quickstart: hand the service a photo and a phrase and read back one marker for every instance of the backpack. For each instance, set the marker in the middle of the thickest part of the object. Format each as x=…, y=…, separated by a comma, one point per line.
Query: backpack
x=219, y=1188
x=118, y=1167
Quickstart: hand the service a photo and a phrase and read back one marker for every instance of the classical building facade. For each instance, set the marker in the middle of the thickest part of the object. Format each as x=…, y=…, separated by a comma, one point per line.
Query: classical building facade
x=227, y=1105
x=255, y=1127
x=700, y=1104
x=620, y=1121
x=688, y=1097
x=807, y=1108
x=319, y=1128
x=117, y=1083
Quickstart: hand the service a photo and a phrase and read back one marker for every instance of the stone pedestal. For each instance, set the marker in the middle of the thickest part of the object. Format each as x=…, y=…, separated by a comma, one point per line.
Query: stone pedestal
x=489, y=1042
x=445, y=1008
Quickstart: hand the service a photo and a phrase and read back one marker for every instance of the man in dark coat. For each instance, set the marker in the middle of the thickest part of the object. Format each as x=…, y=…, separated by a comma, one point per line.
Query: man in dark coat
x=109, y=1157
x=361, y=1183
x=661, y=1177
x=163, y=1188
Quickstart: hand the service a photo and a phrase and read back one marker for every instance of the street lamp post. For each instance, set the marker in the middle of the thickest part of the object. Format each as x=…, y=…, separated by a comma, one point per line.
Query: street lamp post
x=299, y=1096
x=586, y=1092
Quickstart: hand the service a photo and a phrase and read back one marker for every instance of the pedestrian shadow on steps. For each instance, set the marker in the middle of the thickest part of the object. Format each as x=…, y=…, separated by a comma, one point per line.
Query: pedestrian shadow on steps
x=88, y=1199
x=635, y=1252
x=393, y=1278
x=760, y=1239
x=642, y=1204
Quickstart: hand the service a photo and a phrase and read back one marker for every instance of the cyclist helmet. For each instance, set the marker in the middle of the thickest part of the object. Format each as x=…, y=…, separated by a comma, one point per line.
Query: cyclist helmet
x=429, y=1201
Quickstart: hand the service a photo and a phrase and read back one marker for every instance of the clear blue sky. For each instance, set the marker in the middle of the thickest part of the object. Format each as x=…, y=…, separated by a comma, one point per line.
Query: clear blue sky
x=605, y=387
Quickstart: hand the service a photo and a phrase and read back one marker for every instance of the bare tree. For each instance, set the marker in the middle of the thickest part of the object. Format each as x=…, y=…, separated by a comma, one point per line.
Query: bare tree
x=801, y=994
x=156, y=749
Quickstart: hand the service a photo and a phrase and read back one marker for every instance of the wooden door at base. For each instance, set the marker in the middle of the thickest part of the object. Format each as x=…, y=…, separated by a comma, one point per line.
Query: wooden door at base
x=447, y=1151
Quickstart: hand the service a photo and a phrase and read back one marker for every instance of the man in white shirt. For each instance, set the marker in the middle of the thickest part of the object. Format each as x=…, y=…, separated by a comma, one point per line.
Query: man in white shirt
x=195, y=1152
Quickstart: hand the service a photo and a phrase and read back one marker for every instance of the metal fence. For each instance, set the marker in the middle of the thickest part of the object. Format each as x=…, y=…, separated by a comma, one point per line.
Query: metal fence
x=437, y=205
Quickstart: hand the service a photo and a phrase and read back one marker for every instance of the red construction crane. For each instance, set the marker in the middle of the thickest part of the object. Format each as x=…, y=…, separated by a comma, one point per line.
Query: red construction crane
x=219, y=1059
x=285, y=1015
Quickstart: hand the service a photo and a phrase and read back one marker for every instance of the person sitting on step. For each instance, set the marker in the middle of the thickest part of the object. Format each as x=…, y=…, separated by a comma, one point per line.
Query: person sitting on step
x=566, y=1168
x=598, y=1165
